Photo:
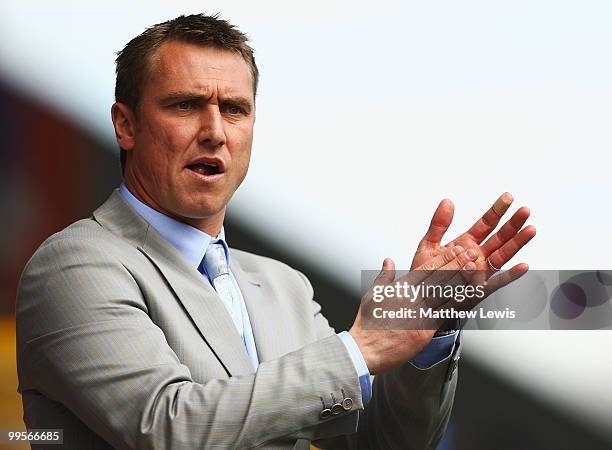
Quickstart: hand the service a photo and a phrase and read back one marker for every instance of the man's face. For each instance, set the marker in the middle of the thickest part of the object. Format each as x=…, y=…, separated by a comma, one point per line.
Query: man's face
x=193, y=133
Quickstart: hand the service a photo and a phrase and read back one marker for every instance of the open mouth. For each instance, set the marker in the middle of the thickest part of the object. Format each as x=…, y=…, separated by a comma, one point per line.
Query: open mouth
x=205, y=168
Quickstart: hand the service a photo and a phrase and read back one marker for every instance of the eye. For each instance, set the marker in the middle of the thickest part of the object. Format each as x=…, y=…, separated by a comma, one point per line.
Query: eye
x=233, y=110
x=184, y=105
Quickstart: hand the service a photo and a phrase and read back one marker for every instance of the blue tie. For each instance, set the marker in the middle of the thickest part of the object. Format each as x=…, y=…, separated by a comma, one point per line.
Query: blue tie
x=217, y=269
x=215, y=266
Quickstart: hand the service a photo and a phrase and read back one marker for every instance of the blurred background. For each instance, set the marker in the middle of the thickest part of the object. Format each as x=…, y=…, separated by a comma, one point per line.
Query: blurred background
x=368, y=114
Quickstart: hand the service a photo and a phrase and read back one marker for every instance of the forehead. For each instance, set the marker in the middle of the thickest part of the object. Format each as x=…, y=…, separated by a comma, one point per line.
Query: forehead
x=183, y=66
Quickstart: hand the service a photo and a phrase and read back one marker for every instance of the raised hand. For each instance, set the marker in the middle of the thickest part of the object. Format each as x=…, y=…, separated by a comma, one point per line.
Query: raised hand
x=385, y=349
x=499, y=248
x=433, y=262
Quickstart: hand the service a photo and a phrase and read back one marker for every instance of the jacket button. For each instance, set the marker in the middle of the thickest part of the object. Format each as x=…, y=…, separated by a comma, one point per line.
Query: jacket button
x=324, y=414
x=337, y=409
x=347, y=404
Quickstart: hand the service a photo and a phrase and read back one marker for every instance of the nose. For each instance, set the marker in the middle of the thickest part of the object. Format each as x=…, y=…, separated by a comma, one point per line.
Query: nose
x=212, y=130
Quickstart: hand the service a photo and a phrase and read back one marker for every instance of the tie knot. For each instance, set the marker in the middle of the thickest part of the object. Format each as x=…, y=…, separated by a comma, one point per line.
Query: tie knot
x=215, y=262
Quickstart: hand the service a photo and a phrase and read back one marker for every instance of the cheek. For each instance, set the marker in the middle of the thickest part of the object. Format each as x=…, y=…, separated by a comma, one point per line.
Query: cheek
x=242, y=159
x=242, y=143
x=170, y=134
x=167, y=143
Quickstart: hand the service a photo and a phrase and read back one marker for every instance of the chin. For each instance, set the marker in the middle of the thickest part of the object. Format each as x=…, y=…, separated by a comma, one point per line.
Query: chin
x=201, y=210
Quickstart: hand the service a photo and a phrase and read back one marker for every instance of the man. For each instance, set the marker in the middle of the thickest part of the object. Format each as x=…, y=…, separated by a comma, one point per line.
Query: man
x=139, y=328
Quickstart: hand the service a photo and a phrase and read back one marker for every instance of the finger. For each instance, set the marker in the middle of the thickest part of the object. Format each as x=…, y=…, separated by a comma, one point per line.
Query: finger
x=440, y=221
x=466, y=274
x=443, y=257
x=387, y=272
x=463, y=276
x=507, y=231
x=449, y=274
x=487, y=223
x=419, y=274
x=504, y=278
x=480, y=277
x=448, y=271
x=502, y=255
x=488, y=287
x=384, y=277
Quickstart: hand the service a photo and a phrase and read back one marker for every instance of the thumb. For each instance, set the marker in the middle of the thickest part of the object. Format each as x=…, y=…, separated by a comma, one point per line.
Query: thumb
x=387, y=272
x=441, y=220
x=385, y=276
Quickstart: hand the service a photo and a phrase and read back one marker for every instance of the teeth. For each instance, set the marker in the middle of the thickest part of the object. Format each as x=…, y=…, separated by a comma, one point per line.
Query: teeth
x=206, y=168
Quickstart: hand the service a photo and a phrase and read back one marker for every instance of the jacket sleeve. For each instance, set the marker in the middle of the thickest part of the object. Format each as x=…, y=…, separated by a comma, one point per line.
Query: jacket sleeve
x=86, y=341
x=409, y=409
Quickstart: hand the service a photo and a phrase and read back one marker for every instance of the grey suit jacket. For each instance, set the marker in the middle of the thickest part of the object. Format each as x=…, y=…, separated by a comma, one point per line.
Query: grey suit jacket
x=122, y=343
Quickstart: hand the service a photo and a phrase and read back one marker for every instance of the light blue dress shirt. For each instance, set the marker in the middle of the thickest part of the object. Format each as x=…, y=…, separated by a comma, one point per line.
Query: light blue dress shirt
x=192, y=244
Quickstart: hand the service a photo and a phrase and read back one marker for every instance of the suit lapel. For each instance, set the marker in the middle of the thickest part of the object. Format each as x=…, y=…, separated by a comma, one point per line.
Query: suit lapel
x=196, y=295
x=264, y=312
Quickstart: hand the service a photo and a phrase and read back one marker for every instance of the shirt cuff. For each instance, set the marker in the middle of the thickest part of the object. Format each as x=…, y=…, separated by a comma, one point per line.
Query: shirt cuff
x=360, y=365
x=439, y=347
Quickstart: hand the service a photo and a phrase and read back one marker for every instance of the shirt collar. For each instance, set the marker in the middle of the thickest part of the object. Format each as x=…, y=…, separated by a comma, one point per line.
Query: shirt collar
x=189, y=241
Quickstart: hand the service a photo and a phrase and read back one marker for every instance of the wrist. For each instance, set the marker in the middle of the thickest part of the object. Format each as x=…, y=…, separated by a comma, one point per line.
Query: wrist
x=444, y=333
x=367, y=351
x=448, y=327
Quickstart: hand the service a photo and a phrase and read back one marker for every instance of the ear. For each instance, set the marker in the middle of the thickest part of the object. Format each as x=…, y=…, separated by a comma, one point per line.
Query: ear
x=124, y=122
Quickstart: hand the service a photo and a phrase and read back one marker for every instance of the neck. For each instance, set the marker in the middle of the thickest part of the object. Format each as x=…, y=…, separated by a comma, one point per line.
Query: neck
x=209, y=225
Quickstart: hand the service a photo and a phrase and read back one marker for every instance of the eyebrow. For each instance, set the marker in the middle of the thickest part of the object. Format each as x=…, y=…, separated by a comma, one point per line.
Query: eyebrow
x=238, y=100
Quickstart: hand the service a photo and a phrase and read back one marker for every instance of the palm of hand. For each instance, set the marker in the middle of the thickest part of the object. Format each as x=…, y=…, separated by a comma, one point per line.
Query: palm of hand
x=425, y=253
x=498, y=249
